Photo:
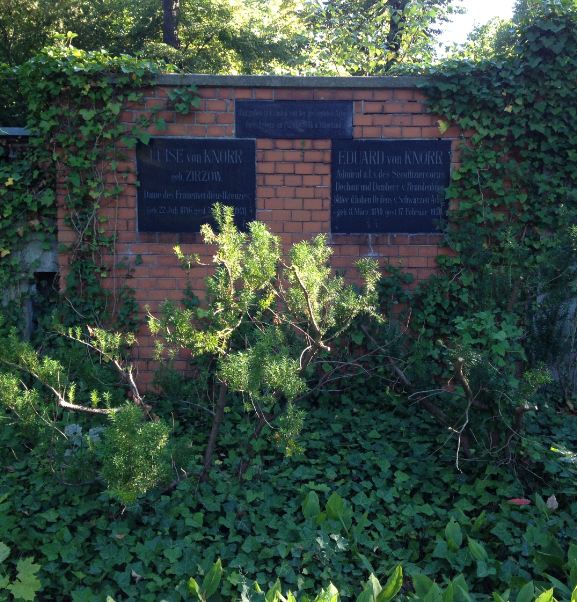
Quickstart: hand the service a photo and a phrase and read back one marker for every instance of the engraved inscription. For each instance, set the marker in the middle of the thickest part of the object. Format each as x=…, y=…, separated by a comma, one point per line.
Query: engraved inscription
x=181, y=178
x=294, y=119
x=389, y=185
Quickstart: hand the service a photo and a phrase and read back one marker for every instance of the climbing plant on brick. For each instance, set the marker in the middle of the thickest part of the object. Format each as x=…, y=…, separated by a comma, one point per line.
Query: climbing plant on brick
x=75, y=99
x=500, y=294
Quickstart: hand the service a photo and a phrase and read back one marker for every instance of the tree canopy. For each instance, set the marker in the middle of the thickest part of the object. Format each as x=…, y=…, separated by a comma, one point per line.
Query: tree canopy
x=356, y=37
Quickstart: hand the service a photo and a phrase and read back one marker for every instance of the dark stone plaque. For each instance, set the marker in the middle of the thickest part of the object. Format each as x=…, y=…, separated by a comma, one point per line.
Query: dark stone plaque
x=389, y=185
x=294, y=119
x=181, y=178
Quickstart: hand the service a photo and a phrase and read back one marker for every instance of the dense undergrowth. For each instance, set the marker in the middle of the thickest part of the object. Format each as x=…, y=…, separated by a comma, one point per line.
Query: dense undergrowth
x=439, y=438
x=391, y=467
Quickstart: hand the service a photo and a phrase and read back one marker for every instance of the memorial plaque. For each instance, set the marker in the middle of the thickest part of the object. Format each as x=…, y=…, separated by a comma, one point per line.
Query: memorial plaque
x=389, y=185
x=294, y=119
x=182, y=178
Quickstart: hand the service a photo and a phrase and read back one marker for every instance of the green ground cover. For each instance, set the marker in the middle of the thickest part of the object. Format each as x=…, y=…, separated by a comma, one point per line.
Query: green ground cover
x=404, y=503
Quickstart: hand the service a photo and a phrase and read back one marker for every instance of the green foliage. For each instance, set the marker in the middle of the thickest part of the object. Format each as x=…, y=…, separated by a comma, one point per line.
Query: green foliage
x=357, y=37
x=492, y=320
x=135, y=454
x=74, y=100
x=265, y=320
x=390, y=481
x=25, y=583
x=217, y=36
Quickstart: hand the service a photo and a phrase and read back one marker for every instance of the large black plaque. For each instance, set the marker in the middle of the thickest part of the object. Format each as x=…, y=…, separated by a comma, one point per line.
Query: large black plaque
x=294, y=119
x=181, y=178
x=389, y=185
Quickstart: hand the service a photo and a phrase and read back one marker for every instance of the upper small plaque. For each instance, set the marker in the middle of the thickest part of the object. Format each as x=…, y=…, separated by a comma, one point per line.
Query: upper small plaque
x=294, y=119
x=182, y=178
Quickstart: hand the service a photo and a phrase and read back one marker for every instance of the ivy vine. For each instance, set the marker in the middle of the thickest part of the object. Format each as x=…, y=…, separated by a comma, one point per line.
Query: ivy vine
x=75, y=100
x=493, y=323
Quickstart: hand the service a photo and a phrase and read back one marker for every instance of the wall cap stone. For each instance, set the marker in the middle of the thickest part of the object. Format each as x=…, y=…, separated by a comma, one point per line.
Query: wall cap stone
x=11, y=131
x=288, y=81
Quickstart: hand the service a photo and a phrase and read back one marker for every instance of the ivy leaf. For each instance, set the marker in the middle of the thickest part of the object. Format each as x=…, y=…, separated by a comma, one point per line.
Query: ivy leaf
x=26, y=584
x=311, y=506
x=453, y=534
x=87, y=114
x=526, y=593
x=443, y=126
x=476, y=549
x=4, y=551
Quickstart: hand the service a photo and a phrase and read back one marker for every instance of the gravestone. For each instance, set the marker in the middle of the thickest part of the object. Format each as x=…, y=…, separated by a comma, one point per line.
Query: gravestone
x=314, y=119
x=389, y=185
x=180, y=179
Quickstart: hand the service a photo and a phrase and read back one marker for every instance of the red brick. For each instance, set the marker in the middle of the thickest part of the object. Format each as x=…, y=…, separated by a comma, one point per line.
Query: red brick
x=224, y=118
x=428, y=251
x=416, y=262
x=197, y=130
x=284, y=168
x=313, y=204
x=276, y=227
x=293, y=227
x=363, y=120
x=220, y=130
x=294, y=180
x=294, y=94
x=273, y=155
x=384, y=94
x=304, y=168
x=285, y=192
x=374, y=107
x=292, y=155
x=316, y=156
x=392, y=132
x=430, y=132
x=400, y=119
x=274, y=204
x=306, y=193
x=300, y=216
x=315, y=227
x=371, y=132
x=312, y=180
x=426, y=120
x=216, y=105
x=293, y=203
x=363, y=94
x=404, y=94
x=277, y=180
x=243, y=93
x=264, y=94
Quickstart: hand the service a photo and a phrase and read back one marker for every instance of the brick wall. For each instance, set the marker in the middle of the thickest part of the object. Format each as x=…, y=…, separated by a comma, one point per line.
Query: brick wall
x=292, y=178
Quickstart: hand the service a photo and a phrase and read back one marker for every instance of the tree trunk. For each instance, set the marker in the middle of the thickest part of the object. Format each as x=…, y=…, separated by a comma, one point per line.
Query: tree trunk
x=216, y=423
x=171, y=10
x=397, y=22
